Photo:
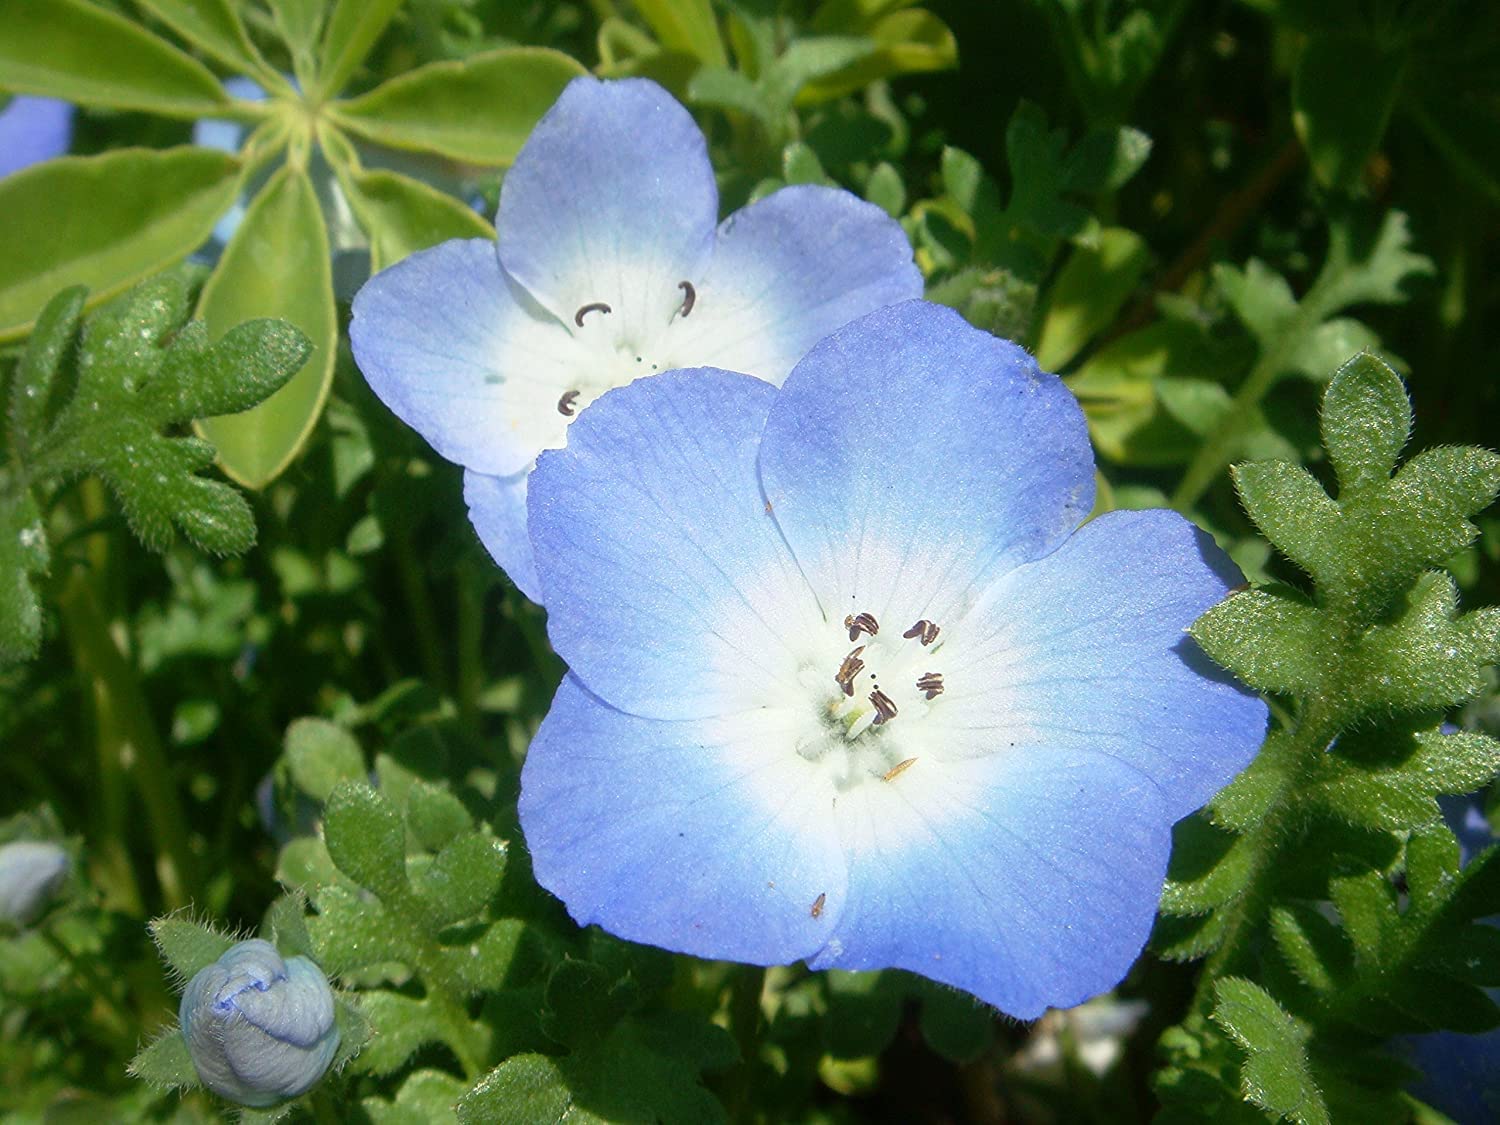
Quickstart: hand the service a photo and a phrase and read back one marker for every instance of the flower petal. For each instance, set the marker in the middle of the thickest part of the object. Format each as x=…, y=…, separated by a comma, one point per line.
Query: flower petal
x=787, y=271
x=497, y=509
x=1029, y=880
x=464, y=357
x=1086, y=650
x=707, y=837
x=909, y=454
x=670, y=591
x=612, y=199
x=33, y=130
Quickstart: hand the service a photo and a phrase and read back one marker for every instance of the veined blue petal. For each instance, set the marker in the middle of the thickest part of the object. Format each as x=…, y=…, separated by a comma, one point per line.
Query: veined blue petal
x=611, y=200
x=1087, y=649
x=675, y=596
x=32, y=130
x=707, y=837
x=1028, y=879
x=497, y=509
x=464, y=357
x=909, y=455
x=787, y=271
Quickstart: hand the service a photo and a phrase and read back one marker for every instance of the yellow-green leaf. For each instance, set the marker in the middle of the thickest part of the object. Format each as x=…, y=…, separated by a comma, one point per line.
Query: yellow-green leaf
x=71, y=49
x=104, y=222
x=480, y=110
x=213, y=26
x=403, y=215
x=276, y=265
x=686, y=25
x=352, y=31
x=1089, y=292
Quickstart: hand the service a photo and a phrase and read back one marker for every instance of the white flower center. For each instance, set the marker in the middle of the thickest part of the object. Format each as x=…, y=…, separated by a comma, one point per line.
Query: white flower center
x=620, y=349
x=869, y=703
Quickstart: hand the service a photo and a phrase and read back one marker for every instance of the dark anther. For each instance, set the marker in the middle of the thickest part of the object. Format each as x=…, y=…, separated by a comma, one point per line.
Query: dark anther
x=924, y=629
x=885, y=710
x=817, y=906
x=897, y=770
x=597, y=306
x=863, y=622
x=689, y=296
x=931, y=683
x=565, y=404
x=850, y=668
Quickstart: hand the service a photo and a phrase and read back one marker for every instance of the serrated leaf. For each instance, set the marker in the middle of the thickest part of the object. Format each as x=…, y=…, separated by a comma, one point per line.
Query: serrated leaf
x=462, y=878
x=1277, y=1075
x=81, y=53
x=1366, y=420
x=352, y=933
x=1428, y=658
x=163, y=205
x=479, y=110
x=321, y=754
x=1209, y=867
x=276, y=265
x=1312, y=946
x=366, y=838
x=286, y=925
x=1290, y=508
x=355, y=1030
x=1396, y=790
x=1269, y=638
x=404, y=1024
x=1367, y=906
x=188, y=946
x=34, y=388
x=1367, y=263
x=425, y=1097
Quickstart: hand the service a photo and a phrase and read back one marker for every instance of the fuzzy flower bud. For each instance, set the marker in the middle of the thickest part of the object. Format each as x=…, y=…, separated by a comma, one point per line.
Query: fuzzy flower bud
x=30, y=873
x=259, y=1028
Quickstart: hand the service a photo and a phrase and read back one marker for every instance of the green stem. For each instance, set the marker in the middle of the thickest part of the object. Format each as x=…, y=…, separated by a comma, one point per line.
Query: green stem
x=745, y=1017
x=419, y=603
x=129, y=746
x=1222, y=445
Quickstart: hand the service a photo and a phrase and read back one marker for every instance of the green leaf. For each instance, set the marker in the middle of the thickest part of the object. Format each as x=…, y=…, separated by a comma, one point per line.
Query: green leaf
x=298, y=22
x=275, y=265
x=1367, y=263
x=1343, y=91
x=403, y=216
x=645, y=1070
x=188, y=946
x=1312, y=946
x=461, y=879
x=1366, y=420
x=886, y=189
x=425, y=1097
x=1277, y=1075
x=352, y=30
x=908, y=41
x=1389, y=781
x=165, y=1062
x=286, y=927
x=355, y=1029
x=1093, y=284
x=73, y=50
x=1209, y=867
x=24, y=552
x=215, y=27
x=685, y=25
x=435, y=816
x=34, y=389
x=162, y=205
x=584, y=1002
x=955, y=1025
x=1291, y=509
x=480, y=110
x=321, y=754
x=366, y=838
x=1271, y=639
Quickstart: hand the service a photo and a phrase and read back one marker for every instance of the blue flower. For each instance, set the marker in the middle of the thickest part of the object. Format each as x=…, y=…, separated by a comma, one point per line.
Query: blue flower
x=609, y=267
x=259, y=1028
x=31, y=871
x=33, y=130
x=848, y=683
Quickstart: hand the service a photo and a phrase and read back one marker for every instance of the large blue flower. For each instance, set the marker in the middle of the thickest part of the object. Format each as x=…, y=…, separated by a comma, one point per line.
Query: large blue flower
x=610, y=266
x=850, y=685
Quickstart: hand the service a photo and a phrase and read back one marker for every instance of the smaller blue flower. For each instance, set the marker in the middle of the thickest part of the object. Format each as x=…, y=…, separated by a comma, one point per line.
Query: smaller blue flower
x=611, y=265
x=33, y=130
x=31, y=871
x=259, y=1028
x=849, y=684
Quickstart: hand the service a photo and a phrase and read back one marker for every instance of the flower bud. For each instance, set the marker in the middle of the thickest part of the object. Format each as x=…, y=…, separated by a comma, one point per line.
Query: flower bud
x=259, y=1028
x=30, y=873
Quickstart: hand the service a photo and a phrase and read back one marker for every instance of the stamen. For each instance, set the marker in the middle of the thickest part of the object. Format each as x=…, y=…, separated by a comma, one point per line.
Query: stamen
x=565, y=404
x=850, y=668
x=689, y=297
x=924, y=629
x=864, y=622
x=885, y=710
x=817, y=906
x=597, y=306
x=931, y=683
x=897, y=770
